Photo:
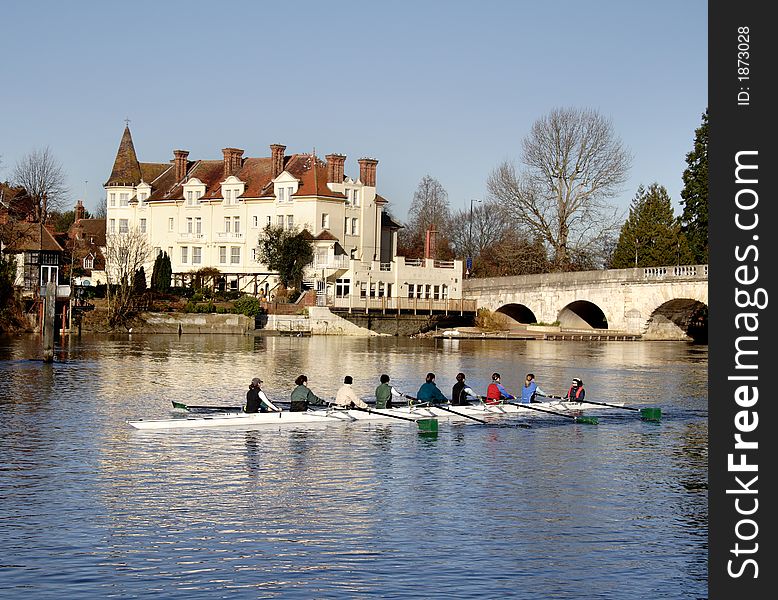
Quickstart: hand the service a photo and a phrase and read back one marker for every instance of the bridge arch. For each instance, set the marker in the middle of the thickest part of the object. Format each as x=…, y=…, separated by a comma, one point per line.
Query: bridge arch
x=582, y=314
x=679, y=318
x=519, y=313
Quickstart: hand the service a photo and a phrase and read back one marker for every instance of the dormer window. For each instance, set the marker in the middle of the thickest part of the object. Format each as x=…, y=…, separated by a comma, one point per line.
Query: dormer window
x=89, y=262
x=232, y=188
x=193, y=191
x=227, y=196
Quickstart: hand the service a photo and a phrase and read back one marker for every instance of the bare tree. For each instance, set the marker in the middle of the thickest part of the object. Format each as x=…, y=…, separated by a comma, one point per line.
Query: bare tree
x=42, y=176
x=573, y=165
x=125, y=254
x=429, y=207
x=470, y=232
x=102, y=209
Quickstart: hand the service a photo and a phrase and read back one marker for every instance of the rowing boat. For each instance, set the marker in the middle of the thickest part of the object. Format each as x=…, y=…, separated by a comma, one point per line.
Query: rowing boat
x=334, y=414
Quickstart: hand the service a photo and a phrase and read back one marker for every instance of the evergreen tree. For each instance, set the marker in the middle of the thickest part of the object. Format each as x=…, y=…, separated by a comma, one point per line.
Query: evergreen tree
x=166, y=273
x=139, y=281
x=651, y=236
x=694, y=219
x=155, y=272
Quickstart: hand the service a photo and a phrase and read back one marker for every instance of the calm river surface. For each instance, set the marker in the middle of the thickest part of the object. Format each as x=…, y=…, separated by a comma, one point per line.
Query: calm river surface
x=92, y=508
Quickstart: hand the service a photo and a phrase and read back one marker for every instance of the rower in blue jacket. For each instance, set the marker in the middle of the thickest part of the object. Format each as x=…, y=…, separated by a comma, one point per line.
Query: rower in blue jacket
x=429, y=392
x=531, y=390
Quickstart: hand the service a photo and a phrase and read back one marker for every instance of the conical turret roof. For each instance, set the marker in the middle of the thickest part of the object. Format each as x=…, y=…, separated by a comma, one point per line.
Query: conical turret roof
x=126, y=169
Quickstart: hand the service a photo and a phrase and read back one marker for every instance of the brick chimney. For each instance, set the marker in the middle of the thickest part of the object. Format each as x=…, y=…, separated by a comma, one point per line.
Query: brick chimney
x=233, y=160
x=80, y=211
x=430, y=244
x=335, y=163
x=276, y=160
x=367, y=171
x=181, y=163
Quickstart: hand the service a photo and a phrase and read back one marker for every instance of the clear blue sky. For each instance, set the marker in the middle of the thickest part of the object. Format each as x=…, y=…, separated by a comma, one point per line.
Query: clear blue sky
x=447, y=89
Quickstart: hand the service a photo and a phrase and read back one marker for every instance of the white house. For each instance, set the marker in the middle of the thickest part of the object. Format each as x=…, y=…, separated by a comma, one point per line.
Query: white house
x=210, y=213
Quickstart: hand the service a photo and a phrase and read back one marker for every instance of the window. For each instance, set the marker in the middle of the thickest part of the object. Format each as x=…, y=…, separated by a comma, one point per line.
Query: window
x=197, y=255
x=346, y=226
x=289, y=192
x=198, y=225
x=325, y=221
x=342, y=287
x=123, y=226
x=222, y=255
x=348, y=197
x=111, y=225
x=184, y=254
x=254, y=254
x=355, y=199
x=282, y=194
x=255, y=221
x=190, y=197
x=89, y=262
x=124, y=199
x=170, y=224
x=268, y=221
x=236, y=224
x=354, y=226
x=112, y=199
x=170, y=250
x=228, y=196
x=436, y=292
x=235, y=255
x=280, y=221
x=142, y=197
x=227, y=224
x=142, y=225
x=290, y=222
x=189, y=225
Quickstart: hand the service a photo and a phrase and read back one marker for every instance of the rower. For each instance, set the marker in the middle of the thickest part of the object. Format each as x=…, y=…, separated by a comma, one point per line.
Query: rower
x=576, y=393
x=257, y=400
x=346, y=396
x=385, y=392
x=302, y=397
x=461, y=391
x=429, y=392
x=530, y=390
x=496, y=393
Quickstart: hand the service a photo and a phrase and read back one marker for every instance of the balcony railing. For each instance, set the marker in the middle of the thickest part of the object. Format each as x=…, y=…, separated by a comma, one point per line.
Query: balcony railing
x=190, y=236
x=340, y=261
x=229, y=236
x=415, y=305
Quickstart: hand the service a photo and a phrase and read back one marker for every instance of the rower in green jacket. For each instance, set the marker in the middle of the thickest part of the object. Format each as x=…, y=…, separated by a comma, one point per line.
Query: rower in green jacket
x=302, y=397
x=385, y=392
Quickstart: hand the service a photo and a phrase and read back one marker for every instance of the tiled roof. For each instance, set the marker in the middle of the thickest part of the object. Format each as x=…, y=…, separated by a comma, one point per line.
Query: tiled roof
x=87, y=229
x=326, y=235
x=126, y=169
x=150, y=171
x=20, y=236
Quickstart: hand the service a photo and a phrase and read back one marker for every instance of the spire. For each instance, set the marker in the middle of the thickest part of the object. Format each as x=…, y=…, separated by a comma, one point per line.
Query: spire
x=126, y=170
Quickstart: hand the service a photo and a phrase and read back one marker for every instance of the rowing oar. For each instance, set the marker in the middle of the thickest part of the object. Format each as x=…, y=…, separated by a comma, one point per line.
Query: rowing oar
x=440, y=406
x=204, y=407
x=424, y=424
x=580, y=419
x=646, y=414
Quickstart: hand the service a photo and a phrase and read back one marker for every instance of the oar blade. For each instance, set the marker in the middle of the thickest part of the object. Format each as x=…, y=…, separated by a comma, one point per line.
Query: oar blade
x=179, y=405
x=427, y=425
x=587, y=420
x=650, y=414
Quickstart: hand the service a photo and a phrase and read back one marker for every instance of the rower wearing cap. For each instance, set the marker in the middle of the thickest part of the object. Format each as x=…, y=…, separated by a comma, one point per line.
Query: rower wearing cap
x=576, y=393
x=257, y=400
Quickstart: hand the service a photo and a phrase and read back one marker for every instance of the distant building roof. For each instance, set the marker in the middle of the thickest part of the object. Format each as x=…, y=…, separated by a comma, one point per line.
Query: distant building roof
x=23, y=236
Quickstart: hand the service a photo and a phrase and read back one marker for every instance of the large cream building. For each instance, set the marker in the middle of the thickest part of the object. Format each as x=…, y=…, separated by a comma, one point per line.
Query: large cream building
x=210, y=213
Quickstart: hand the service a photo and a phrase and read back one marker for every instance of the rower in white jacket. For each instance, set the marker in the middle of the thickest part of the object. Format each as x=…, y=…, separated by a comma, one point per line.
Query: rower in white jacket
x=346, y=395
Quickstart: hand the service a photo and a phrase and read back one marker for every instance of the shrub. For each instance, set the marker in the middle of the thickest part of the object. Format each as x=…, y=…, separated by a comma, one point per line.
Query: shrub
x=491, y=321
x=247, y=305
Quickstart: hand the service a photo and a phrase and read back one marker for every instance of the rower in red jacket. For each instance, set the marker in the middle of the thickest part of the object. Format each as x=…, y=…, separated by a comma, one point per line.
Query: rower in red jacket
x=496, y=393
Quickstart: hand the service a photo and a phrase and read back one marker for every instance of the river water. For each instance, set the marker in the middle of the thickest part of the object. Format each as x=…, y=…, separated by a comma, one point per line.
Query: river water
x=92, y=508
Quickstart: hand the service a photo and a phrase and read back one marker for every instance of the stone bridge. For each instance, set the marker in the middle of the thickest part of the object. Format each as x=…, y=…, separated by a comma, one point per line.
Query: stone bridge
x=657, y=303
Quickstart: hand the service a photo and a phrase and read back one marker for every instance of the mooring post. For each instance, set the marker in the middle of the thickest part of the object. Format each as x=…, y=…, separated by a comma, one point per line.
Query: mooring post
x=49, y=308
